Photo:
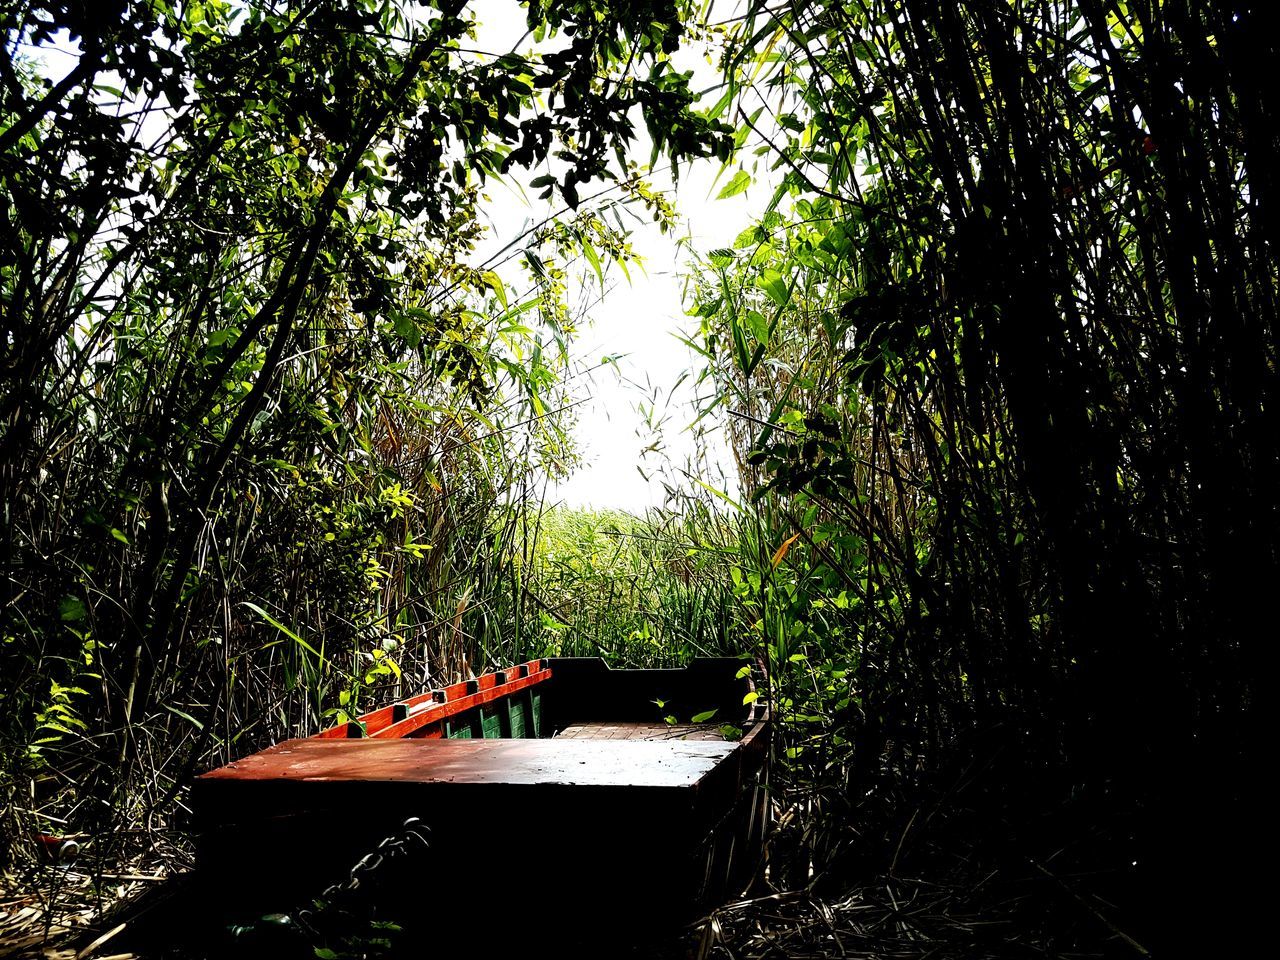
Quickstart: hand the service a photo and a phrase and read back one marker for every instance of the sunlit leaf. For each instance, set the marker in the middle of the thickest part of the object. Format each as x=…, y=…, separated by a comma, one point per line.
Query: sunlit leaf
x=741, y=180
x=780, y=554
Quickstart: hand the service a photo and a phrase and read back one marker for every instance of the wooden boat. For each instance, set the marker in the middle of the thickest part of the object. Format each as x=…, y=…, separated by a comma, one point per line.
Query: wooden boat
x=560, y=785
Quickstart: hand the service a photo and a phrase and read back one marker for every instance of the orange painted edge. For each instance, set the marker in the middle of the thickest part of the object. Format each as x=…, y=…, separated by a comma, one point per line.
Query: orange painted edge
x=449, y=708
x=378, y=722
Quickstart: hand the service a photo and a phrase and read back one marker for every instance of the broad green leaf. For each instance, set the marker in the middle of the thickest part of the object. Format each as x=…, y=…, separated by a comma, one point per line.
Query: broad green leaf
x=772, y=283
x=71, y=608
x=741, y=180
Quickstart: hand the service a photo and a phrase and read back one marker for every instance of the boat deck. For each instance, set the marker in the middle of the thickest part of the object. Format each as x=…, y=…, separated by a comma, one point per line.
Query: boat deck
x=381, y=767
x=641, y=731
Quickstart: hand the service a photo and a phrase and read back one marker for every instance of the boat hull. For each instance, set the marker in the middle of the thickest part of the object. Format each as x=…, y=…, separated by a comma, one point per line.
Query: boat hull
x=601, y=827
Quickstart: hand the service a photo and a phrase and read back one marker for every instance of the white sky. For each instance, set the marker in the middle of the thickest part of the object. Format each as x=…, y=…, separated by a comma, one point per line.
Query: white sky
x=640, y=319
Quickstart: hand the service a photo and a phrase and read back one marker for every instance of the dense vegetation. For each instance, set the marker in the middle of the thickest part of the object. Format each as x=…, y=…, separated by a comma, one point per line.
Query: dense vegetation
x=998, y=364
x=1006, y=364
x=270, y=431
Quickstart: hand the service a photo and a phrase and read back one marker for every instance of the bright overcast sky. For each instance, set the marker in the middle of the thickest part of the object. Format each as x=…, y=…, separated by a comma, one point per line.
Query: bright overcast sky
x=640, y=319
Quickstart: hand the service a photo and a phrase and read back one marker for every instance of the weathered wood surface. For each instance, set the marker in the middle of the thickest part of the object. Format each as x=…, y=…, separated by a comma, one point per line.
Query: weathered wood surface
x=563, y=761
x=642, y=731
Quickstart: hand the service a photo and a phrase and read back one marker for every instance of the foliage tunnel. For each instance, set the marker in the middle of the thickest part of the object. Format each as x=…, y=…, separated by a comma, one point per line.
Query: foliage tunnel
x=997, y=359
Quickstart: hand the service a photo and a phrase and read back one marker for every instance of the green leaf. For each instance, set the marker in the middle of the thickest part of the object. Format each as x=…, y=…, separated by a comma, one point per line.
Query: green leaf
x=750, y=698
x=789, y=121
x=704, y=716
x=741, y=180
x=71, y=609
x=407, y=328
x=772, y=283
x=495, y=284
x=720, y=105
x=282, y=628
x=719, y=493
x=594, y=259
x=757, y=324
x=184, y=715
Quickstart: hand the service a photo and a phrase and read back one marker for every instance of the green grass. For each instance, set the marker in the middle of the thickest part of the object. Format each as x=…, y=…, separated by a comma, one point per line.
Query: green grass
x=637, y=590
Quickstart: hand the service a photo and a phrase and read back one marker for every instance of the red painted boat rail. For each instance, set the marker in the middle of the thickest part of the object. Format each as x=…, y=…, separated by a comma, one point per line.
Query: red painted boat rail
x=425, y=716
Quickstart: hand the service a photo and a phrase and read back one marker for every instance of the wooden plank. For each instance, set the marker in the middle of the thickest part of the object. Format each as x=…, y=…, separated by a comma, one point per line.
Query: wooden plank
x=664, y=763
x=516, y=712
x=641, y=731
x=458, y=727
x=490, y=725
x=632, y=843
